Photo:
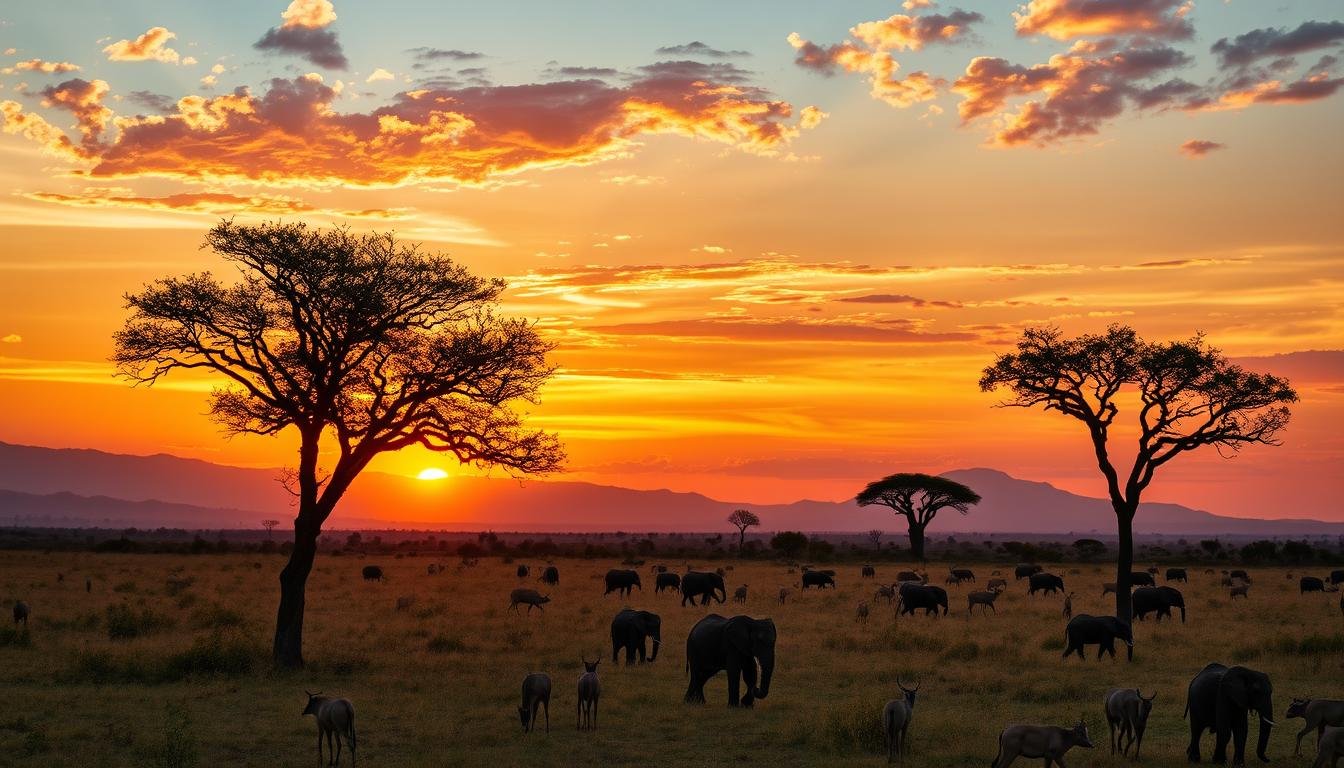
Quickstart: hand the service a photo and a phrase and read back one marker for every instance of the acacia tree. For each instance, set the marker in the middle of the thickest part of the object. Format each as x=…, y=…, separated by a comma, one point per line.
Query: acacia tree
x=269, y=525
x=918, y=497
x=1188, y=396
x=743, y=519
x=357, y=343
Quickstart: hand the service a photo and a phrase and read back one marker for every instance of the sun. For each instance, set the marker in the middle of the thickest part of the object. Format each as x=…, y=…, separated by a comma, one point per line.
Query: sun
x=432, y=473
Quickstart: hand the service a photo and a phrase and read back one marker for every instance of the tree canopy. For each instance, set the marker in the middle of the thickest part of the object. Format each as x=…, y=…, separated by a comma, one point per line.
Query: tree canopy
x=918, y=497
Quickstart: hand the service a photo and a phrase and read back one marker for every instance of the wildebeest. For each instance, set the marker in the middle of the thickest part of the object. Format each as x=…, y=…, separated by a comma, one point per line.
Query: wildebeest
x=1046, y=582
x=896, y=717
x=21, y=614
x=665, y=580
x=912, y=576
x=622, y=581
x=996, y=584
x=1239, y=589
x=962, y=574
x=528, y=597
x=740, y=594
x=1310, y=584
x=818, y=579
x=372, y=573
x=536, y=694
x=1141, y=579
x=589, y=690
x=1025, y=570
x=523, y=571
x=861, y=611
x=1318, y=713
x=885, y=592
x=868, y=572
x=1039, y=741
x=926, y=596
x=1127, y=713
x=551, y=575
x=1176, y=574
x=1101, y=631
x=985, y=599
x=336, y=721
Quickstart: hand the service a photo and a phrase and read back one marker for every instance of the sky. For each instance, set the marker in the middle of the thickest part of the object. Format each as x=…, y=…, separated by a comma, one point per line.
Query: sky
x=775, y=243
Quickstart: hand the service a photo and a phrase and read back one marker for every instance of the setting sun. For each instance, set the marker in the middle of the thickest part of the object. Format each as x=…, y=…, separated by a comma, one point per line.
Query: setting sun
x=432, y=473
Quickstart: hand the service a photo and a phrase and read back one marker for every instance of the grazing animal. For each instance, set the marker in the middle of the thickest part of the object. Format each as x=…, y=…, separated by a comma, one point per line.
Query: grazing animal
x=1025, y=570
x=1039, y=741
x=985, y=599
x=622, y=581
x=629, y=630
x=1152, y=569
x=432, y=569
x=926, y=596
x=1141, y=579
x=1101, y=631
x=551, y=575
x=536, y=694
x=784, y=593
x=335, y=721
x=868, y=572
x=665, y=580
x=734, y=644
x=21, y=614
x=523, y=571
x=1310, y=584
x=962, y=574
x=818, y=579
x=885, y=592
x=1000, y=584
x=704, y=585
x=405, y=601
x=1068, y=606
x=1318, y=713
x=1127, y=713
x=1238, y=573
x=861, y=611
x=912, y=576
x=1239, y=589
x=372, y=573
x=951, y=580
x=1177, y=574
x=740, y=594
x=1219, y=700
x=589, y=690
x=896, y=717
x=1146, y=600
x=1337, y=576
x=1045, y=582
x=529, y=597
x=1329, y=748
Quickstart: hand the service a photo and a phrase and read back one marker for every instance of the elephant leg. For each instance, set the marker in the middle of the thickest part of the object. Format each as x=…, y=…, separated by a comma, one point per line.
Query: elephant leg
x=749, y=679
x=1239, y=730
x=1196, y=730
x=1111, y=723
x=695, y=691
x=1222, y=734
x=734, y=682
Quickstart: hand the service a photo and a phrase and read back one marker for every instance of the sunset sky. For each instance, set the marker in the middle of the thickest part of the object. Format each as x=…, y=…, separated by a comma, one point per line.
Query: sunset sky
x=775, y=242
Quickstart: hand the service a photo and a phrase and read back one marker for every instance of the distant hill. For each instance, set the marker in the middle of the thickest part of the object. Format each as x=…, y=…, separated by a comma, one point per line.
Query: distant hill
x=79, y=487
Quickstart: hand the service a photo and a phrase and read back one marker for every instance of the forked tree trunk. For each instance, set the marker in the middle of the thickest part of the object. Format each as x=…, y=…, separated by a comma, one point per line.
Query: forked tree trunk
x=917, y=540
x=288, y=648
x=1124, y=561
x=741, y=541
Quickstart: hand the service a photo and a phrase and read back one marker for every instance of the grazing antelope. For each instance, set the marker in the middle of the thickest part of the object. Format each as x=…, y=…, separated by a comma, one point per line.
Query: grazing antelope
x=885, y=592
x=982, y=599
x=1318, y=713
x=536, y=694
x=1068, y=606
x=740, y=594
x=861, y=612
x=896, y=716
x=336, y=721
x=589, y=690
x=784, y=593
x=1039, y=741
x=1127, y=713
x=528, y=597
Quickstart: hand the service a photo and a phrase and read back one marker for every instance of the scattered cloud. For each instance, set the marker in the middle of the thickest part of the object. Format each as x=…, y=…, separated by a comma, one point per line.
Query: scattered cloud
x=425, y=56
x=1200, y=147
x=697, y=48
x=38, y=65
x=83, y=99
x=878, y=66
x=303, y=33
x=379, y=74
x=634, y=180
x=1264, y=43
x=1069, y=19
x=899, y=298
x=151, y=46
x=308, y=14
x=12, y=338
x=583, y=72
x=911, y=33
x=217, y=203
x=787, y=330
x=156, y=102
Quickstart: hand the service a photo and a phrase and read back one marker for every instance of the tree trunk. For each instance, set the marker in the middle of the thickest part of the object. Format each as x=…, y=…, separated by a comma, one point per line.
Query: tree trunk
x=1124, y=561
x=917, y=540
x=741, y=541
x=288, y=648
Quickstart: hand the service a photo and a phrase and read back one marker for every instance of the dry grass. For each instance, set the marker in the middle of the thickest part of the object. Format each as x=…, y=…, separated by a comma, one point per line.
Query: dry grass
x=187, y=682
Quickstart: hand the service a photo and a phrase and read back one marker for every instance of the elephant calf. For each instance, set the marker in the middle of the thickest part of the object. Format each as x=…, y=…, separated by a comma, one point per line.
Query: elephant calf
x=1039, y=741
x=1329, y=749
x=1318, y=713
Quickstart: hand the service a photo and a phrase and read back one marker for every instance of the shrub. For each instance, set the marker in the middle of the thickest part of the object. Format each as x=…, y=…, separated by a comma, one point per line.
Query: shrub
x=221, y=653
x=856, y=727
x=179, y=745
x=444, y=644
x=217, y=617
x=125, y=622
x=967, y=650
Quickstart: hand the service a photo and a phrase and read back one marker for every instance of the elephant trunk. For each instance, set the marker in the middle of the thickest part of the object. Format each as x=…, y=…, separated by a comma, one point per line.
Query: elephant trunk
x=767, y=661
x=1182, y=613
x=1266, y=725
x=657, y=643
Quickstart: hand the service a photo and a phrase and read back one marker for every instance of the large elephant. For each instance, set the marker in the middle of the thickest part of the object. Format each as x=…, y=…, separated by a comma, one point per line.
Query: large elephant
x=736, y=645
x=1048, y=582
x=704, y=585
x=818, y=579
x=1146, y=600
x=1101, y=631
x=1218, y=701
x=629, y=630
x=1141, y=579
x=666, y=580
x=622, y=581
x=926, y=596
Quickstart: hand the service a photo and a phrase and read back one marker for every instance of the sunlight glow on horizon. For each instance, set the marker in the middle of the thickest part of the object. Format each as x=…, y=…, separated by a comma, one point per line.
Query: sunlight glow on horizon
x=432, y=473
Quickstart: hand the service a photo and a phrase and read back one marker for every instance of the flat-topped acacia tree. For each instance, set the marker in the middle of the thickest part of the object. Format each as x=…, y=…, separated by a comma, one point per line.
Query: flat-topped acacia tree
x=356, y=342
x=1188, y=395
x=918, y=498
x=742, y=519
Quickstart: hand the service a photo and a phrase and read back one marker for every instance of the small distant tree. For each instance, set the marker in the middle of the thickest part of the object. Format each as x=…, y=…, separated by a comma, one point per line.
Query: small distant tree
x=743, y=519
x=1211, y=546
x=918, y=498
x=1189, y=396
x=875, y=537
x=789, y=543
x=1089, y=548
x=269, y=525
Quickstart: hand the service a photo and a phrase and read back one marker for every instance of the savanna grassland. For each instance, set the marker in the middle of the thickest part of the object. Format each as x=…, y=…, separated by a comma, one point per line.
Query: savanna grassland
x=187, y=680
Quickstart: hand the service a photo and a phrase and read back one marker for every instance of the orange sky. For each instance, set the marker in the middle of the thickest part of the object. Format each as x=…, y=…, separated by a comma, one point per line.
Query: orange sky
x=765, y=283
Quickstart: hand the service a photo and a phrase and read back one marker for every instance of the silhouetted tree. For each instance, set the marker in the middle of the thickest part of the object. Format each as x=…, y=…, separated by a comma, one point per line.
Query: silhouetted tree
x=269, y=525
x=1188, y=394
x=359, y=341
x=875, y=536
x=743, y=519
x=789, y=543
x=919, y=498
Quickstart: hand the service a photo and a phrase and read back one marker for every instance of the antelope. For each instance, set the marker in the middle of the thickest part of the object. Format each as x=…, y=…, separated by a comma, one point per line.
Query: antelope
x=405, y=601
x=1318, y=713
x=886, y=592
x=1068, y=606
x=1127, y=713
x=861, y=612
x=536, y=694
x=528, y=597
x=896, y=716
x=999, y=584
x=335, y=720
x=1039, y=741
x=784, y=593
x=982, y=599
x=589, y=690
x=740, y=594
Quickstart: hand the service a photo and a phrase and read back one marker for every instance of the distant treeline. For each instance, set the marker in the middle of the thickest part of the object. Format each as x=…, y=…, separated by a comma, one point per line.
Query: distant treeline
x=632, y=547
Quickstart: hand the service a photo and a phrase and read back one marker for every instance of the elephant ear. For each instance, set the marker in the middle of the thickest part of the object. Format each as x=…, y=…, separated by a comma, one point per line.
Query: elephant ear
x=738, y=634
x=1233, y=688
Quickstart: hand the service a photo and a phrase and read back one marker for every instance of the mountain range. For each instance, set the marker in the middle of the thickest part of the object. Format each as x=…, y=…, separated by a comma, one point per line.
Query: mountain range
x=67, y=487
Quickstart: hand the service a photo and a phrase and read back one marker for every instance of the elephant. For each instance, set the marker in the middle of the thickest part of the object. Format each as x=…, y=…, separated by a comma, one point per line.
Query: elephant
x=622, y=582
x=1310, y=584
x=736, y=645
x=926, y=596
x=665, y=580
x=1146, y=600
x=551, y=575
x=629, y=629
x=1047, y=582
x=818, y=579
x=1101, y=631
x=1218, y=700
x=1025, y=570
x=704, y=585
x=1337, y=576
x=372, y=573
x=1141, y=579
x=1177, y=574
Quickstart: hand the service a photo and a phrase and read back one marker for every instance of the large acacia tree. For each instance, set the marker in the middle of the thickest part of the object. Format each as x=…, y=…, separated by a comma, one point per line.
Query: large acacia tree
x=918, y=498
x=357, y=345
x=1187, y=395
x=743, y=519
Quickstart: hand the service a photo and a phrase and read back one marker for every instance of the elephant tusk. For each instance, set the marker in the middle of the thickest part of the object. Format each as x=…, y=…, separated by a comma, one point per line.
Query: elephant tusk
x=1267, y=721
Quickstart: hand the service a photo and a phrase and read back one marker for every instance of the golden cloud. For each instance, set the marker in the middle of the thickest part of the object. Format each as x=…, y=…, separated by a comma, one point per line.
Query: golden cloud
x=311, y=14
x=151, y=46
x=1069, y=19
x=38, y=65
